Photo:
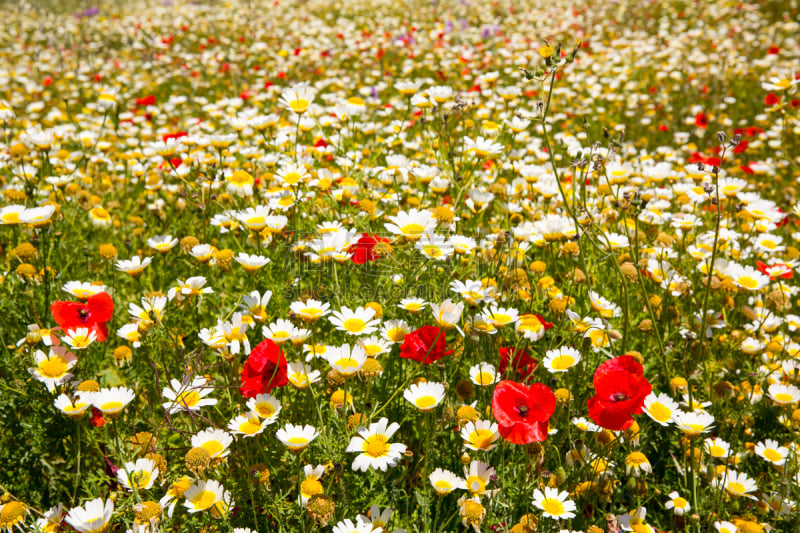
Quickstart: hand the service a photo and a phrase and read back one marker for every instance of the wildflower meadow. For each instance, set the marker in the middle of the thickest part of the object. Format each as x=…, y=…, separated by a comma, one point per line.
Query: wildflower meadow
x=367, y=266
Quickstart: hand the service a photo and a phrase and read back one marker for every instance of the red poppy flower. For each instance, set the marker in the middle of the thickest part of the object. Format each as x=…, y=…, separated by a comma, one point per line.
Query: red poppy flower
x=425, y=345
x=93, y=314
x=97, y=420
x=620, y=389
x=775, y=271
x=523, y=412
x=521, y=362
x=264, y=370
x=363, y=249
x=701, y=120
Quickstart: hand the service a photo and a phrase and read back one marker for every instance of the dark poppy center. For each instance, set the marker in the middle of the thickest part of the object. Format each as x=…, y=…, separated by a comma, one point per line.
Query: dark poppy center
x=522, y=410
x=619, y=397
x=83, y=315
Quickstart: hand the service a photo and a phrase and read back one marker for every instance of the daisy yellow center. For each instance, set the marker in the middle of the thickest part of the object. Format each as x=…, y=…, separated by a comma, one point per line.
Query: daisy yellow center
x=312, y=312
x=773, y=455
x=476, y=485
x=249, y=427
x=265, y=409
x=311, y=486
x=347, y=363
x=396, y=334
x=111, y=406
x=140, y=479
x=433, y=251
x=291, y=178
x=717, y=451
x=783, y=84
x=736, y=487
x=299, y=105
x=11, y=218
x=53, y=368
x=679, y=502
x=213, y=447
x=80, y=341
x=659, y=412
x=693, y=429
x=473, y=511
x=372, y=349
x=636, y=459
x=354, y=325
x=297, y=442
x=484, y=378
x=412, y=229
x=563, y=362
x=255, y=221
x=501, y=319
x=481, y=438
x=748, y=283
x=552, y=506
x=281, y=335
x=241, y=178
x=77, y=408
x=204, y=500
x=784, y=397
x=443, y=485
x=376, y=446
x=425, y=402
x=188, y=399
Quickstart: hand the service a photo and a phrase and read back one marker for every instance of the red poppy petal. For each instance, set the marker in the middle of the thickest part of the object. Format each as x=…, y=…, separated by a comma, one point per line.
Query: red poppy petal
x=520, y=433
x=101, y=306
x=66, y=314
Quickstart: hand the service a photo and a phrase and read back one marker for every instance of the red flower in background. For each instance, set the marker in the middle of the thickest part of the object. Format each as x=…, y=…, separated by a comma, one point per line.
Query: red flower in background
x=93, y=314
x=363, y=249
x=521, y=362
x=620, y=389
x=523, y=412
x=264, y=370
x=701, y=120
x=425, y=345
x=775, y=271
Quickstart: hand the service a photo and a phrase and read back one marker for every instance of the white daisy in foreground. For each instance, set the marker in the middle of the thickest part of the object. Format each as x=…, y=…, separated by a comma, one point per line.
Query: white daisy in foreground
x=112, y=401
x=736, y=484
x=693, y=423
x=360, y=321
x=133, y=266
x=82, y=290
x=375, y=450
x=139, y=475
x=783, y=394
x=93, y=516
x=425, y=396
x=190, y=397
x=480, y=436
x=678, y=504
x=208, y=495
x=660, y=407
x=52, y=368
x=296, y=438
x=483, y=374
x=266, y=406
x=555, y=504
x=772, y=452
x=80, y=338
x=561, y=359
x=311, y=485
x=346, y=360
x=247, y=425
x=444, y=482
x=215, y=441
x=301, y=375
